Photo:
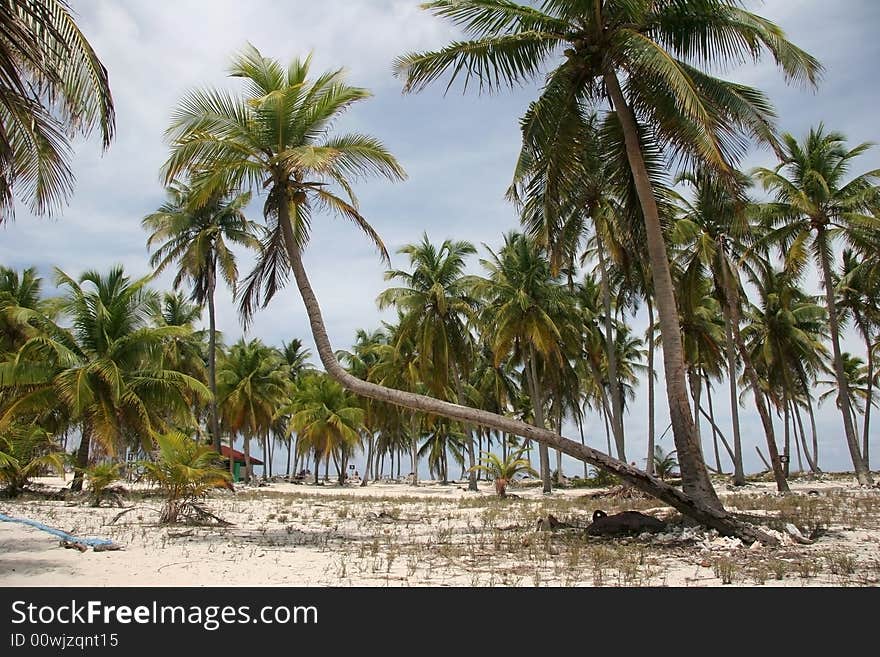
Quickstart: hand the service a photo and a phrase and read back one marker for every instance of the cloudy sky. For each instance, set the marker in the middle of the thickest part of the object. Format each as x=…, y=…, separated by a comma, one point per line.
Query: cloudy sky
x=458, y=150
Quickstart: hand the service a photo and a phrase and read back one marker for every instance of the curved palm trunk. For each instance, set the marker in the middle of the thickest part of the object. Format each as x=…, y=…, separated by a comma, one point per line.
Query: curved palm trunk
x=732, y=305
x=538, y=410
x=584, y=443
x=695, y=476
x=248, y=466
x=611, y=349
x=212, y=358
x=651, y=427
x=813, y=431
x=786, y=450
x=710, y=514
x=694, y=381
x=810, y=459
x=862, y=474
x=739, y=475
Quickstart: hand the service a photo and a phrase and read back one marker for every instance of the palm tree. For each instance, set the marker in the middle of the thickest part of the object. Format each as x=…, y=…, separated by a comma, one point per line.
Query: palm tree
x=643, y=57
x=664, y=462
x=525, y=315
x=277, y=138
x=196, y=237
x=784, y=337
x=504, y=471
x=250, y=388
x=21, y=304
x=327, y=420
x=107, y=369
x=52, y=85
x=295, y=362
x=858, y=298
x=218, y=139
x=814, y=207
x=437, y=305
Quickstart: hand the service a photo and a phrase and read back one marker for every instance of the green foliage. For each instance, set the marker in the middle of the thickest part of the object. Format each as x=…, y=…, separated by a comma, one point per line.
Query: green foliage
x=665, y=463
x=507, y=469
x=99, y=478
x=26, y=452
x=184, y=471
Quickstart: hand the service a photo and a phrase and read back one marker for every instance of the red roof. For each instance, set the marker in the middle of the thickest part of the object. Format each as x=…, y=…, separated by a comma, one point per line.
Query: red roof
x=238, y=456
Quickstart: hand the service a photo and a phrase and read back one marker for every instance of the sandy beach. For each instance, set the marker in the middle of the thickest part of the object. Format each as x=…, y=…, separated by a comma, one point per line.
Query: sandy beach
x=393, y=534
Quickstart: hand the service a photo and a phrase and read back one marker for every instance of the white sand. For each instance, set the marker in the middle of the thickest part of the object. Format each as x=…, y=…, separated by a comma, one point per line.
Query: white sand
x=395, y=534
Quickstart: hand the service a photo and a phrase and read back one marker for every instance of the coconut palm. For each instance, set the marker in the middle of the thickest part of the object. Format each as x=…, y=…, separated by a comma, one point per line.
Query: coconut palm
x=437, y=304
x=277, y=137
x=665, y=463
x=858, y=298
x=250, y=388
x=784, y=337
x=504, y=471
x=21, y=305
x=327, y=419
x=814, y=207
x=106, y=371
x=196, y=236
x=215, y=136
x=26, y=452
x=184, y=471
x=644, y=58
x=52, y=86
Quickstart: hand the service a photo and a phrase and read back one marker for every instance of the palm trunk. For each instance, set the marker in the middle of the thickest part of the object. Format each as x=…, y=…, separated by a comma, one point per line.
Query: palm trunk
x=248, y=466
x=739, y=475
x=732, y=304
x=371, y=439
x=695, y=476
x=870, y=402
x=469, y=429
x=538, y=410
x=696, y=394
x=694, y=501
x=810, y=459
x=317, y=466
x=212, y=356
x=289, y=446
x=82, y=456
x=862, y=474
x=813, y=431
x=651, y=428
x=584, y=443
x=558, y=452
x=611, y=348
x=787, y=434
x=714, y=428
x=415, y=449
x=231, y=454
x=798, y=429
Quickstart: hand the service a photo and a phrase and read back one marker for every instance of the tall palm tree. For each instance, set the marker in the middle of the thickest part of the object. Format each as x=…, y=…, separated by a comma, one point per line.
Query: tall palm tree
x=784, y=337
x=858, y=298
x=21, y=304
x=815, y=206
x=437, y=305
x=52, y=85
x=196, y=236
x=525, y=314
x=217, y=137
x=644, y=58
x=251, y=387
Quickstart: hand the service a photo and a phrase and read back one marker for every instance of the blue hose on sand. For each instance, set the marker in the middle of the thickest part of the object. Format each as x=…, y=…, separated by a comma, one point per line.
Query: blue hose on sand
x=92, y=542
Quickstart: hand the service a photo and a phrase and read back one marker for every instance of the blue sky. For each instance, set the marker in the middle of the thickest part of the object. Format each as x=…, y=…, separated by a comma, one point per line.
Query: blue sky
x=459, y=151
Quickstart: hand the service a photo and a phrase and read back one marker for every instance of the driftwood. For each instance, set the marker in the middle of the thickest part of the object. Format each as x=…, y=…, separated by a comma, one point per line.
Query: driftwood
x=107, y=547
x=550, y=523
x=627, y=522
x=73, y=545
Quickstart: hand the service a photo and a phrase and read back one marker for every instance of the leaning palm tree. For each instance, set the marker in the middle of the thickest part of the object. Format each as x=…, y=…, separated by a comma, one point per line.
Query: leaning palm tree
x=646, y=59
x=225, y=141
x=196, y=237
x=815, y=206
x=52, y=85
